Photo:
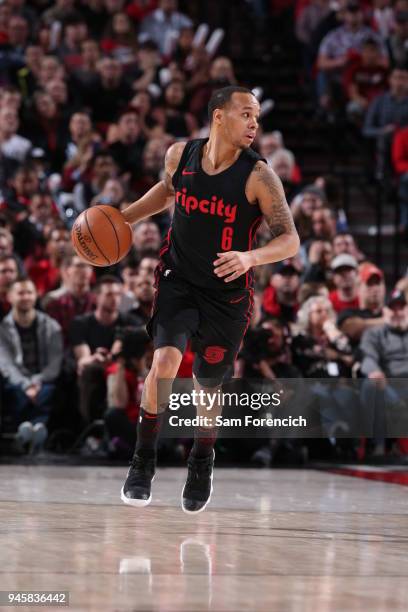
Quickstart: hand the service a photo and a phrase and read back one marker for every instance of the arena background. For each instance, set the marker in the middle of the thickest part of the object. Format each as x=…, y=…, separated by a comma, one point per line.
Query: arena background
x=92, y=93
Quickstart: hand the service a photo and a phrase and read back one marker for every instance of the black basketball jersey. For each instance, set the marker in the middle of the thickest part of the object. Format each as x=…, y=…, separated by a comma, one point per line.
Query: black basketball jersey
x=211, y=215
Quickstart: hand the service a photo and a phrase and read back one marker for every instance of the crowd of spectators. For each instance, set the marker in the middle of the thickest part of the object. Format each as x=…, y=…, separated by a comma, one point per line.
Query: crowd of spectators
x=92, y=93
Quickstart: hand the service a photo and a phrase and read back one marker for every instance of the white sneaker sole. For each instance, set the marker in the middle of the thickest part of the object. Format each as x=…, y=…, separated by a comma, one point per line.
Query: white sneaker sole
x=136, y=503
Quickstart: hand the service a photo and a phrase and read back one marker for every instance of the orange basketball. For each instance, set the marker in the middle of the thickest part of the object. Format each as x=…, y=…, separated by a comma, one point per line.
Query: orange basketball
x=101, y=236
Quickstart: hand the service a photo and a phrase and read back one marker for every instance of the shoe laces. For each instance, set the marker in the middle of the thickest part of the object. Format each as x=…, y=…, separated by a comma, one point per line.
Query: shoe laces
x=199, y=469
x=142, y=466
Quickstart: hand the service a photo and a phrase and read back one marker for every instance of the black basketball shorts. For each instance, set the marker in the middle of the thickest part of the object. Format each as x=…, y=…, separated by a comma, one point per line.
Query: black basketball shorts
x=214, y=320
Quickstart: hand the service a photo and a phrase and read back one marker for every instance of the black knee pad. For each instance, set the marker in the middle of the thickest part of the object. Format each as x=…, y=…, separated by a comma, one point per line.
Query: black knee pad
x=211, y=374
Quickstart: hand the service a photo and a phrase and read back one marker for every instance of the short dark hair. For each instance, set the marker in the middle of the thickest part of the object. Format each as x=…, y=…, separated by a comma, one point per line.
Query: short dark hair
x=107, y=279
x=221, y=97
x=23, y=279
x=5, y=257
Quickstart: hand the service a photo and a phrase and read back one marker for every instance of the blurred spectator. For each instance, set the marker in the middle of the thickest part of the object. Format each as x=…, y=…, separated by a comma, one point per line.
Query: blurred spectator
x=345, y=279
x=319, y=258
x=400, y=163
x=308, y=20
x=269, y=144
x=129, y=274
x=47, y=128
x=125, y=378
x=164, y=24
x=8, y=274
x=44, y=270
x=76, y=298
x=320, y=350
x=206, y=78
x=266, y=351
x=91, y=174
x=22, y=186
x=354, y=321
x=120, y=39
x=29, y=74
x=109, y=94
x=337, y=47
x=148, y=264
x=92, y=337
x=80, y=131
x=311, y=198
x=112, y=194
x=128, y=146
x=12, y=145
x=344, y=242
x=385, y=357
x=398, y=39
x=364, y=79
x=146, y=77
x=323, y=224
x=29, y=233
x=6, y=242
x=384, y=114
x=312, y=289
x=146, y=237
x=58, y=11
x=382, y=17
x=86, y=74
x=95, y=14
x=18, y=34
x=171, y=115
x=283, y=163
x=30, y=361
x=10, y=97
x=74, y=32
x=50, y=68
x=280, y=298
x=144, y=294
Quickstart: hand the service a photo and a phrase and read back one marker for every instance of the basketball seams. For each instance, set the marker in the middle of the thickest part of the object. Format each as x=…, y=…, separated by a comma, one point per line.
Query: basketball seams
x=114, y=229
x=95, y=243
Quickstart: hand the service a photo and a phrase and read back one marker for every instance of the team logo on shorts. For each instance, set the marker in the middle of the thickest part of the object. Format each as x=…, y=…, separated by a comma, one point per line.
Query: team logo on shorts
x=214, y=354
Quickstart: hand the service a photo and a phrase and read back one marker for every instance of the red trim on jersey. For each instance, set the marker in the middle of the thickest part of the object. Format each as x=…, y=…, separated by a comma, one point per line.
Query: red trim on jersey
x=166, y=244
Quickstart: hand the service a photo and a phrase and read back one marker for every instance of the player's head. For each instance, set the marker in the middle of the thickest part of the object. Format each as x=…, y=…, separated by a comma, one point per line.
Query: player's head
x=234, y=112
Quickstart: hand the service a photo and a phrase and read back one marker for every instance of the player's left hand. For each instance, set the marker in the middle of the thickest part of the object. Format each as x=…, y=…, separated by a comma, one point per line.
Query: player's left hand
x=231, y=265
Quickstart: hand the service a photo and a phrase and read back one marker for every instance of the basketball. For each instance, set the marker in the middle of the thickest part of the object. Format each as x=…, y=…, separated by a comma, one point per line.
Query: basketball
x=101, y=236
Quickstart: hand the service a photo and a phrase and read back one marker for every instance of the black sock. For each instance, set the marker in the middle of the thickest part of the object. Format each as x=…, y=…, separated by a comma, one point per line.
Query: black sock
x=148, y=431
x=204, y=441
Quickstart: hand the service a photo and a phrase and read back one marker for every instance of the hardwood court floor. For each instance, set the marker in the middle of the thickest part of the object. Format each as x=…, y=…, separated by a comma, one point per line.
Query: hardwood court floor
x=276, y=540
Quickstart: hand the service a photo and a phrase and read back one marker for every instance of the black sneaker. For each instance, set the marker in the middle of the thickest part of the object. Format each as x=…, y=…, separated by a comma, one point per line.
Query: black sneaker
x=198, y=488
x=137, y=488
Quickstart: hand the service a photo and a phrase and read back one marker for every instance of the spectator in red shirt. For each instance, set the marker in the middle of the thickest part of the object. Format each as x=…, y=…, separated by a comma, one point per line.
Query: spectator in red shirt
x=120, y=39
x=345, y=279
x=365, y=78
x=280, y=298
x=125, y=378
x=400, y=163
x=45, y=271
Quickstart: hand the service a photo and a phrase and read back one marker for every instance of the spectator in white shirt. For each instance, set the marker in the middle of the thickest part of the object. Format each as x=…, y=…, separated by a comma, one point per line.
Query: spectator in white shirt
x=12, y=145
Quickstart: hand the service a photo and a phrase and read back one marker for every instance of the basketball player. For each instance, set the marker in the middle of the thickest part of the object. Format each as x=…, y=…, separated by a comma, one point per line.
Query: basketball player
x=222, y=191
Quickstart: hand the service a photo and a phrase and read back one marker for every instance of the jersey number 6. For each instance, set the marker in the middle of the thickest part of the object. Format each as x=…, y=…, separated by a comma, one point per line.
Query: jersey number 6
x=226, y=239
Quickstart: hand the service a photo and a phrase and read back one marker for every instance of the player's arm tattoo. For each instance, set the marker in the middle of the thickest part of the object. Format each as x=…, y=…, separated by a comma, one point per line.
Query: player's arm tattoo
x=272, y=201
x=171, y=161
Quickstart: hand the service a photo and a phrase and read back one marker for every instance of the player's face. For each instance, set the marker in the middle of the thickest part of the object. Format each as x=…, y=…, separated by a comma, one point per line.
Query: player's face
x=239, y=120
